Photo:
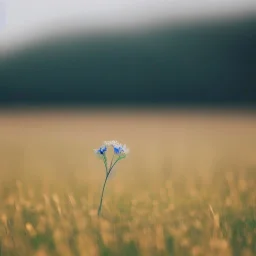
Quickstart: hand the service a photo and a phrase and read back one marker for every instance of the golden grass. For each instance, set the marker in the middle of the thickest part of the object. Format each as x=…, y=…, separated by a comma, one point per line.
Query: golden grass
x=188, y=186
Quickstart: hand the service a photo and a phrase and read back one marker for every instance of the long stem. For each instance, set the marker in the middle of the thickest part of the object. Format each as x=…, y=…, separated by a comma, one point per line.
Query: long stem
x=102, y=194
x=104, y=185
x=105, y=163
x=110, y=169
x=112, y=160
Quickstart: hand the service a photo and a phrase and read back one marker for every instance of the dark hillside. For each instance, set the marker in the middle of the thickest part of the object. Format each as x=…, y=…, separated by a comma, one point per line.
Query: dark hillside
x=196, y=64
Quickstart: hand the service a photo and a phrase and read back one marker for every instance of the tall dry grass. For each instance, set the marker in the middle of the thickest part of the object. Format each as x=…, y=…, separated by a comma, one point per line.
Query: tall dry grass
x=188, y=186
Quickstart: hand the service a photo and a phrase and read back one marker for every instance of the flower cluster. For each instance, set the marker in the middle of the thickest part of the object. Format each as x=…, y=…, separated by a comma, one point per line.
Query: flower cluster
x=119, y=152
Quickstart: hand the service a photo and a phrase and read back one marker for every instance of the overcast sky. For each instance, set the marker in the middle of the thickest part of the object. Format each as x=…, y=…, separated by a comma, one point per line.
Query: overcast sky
x=24, y=20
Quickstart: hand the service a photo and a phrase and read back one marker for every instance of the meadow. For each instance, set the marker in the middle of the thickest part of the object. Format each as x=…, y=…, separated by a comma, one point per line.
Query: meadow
x=188, y=186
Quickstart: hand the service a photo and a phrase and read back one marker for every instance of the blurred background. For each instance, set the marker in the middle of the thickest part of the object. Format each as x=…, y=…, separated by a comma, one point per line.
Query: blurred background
x=176, y=53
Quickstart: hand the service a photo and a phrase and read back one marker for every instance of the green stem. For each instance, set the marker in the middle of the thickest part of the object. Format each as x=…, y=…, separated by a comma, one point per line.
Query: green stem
x=110, y=169
x=104, y=185
x=99, y=210
x=105, y=163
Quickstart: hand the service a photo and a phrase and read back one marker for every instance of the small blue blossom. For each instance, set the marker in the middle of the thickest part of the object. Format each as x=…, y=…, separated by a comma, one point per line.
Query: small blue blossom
x=101, y=150
x=119, y=149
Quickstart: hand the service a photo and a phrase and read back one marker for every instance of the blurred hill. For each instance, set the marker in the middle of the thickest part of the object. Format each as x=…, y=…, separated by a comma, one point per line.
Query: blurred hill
x=211, y=63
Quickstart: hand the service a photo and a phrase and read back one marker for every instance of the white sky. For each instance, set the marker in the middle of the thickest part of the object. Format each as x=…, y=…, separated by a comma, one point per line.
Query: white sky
x=24, y=20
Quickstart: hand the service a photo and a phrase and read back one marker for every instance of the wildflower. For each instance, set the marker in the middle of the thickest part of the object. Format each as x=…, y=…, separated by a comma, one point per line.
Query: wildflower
x=120, y=152
x=101, y=150
x=119, y=149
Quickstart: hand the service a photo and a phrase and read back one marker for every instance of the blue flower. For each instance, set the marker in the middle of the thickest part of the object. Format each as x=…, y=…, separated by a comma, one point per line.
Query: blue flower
x=101, y=150
x=119, y=149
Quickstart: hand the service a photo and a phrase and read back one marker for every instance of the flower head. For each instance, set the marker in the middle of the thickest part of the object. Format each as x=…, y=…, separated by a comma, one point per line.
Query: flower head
x=119, y=149
x=101, y=150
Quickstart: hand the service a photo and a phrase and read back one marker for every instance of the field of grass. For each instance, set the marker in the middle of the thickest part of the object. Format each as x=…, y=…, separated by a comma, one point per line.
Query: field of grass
x=188, y=186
